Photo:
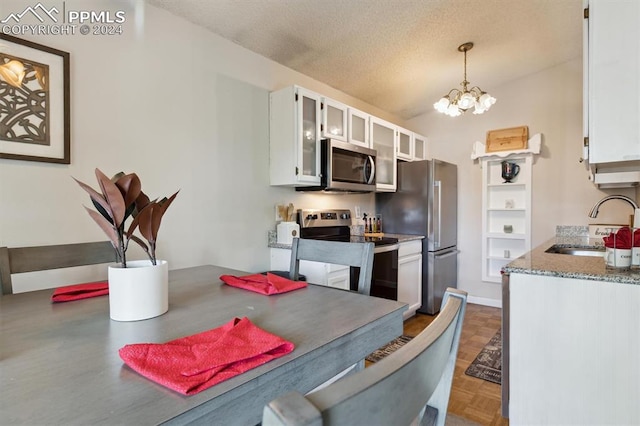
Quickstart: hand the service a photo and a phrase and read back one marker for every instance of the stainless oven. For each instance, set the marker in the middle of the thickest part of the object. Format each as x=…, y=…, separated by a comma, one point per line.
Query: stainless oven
x=384, y=279
x=333, y=225
x=345, y=167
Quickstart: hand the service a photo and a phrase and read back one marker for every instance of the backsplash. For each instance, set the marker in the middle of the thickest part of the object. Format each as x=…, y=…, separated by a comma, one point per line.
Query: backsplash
x=572, y=231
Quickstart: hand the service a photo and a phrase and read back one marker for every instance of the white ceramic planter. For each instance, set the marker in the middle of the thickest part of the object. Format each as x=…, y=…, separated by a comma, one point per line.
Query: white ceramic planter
x=139, y=291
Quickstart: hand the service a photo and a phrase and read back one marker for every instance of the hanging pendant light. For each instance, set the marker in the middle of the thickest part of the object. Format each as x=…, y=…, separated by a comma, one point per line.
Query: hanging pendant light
x=458, y=101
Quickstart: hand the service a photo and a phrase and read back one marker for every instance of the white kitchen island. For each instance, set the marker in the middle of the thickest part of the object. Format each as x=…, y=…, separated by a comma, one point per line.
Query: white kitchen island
x=573, y=341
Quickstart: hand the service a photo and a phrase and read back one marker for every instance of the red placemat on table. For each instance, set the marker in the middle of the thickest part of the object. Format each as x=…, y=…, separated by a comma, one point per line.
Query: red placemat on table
x=80, y=291
x=194, y=363
x=265, y=284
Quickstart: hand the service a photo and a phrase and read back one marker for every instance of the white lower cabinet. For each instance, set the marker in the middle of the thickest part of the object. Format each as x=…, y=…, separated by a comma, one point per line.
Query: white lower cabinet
x=328, y=274
x=410, y=276
x=573, y=351
x=338, y=276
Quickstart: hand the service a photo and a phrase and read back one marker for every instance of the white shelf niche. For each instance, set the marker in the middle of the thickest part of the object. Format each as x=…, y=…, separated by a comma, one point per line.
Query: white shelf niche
x=506, y=213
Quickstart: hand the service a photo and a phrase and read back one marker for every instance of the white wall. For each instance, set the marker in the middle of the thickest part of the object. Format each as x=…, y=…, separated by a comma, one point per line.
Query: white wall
x=548, y=102
x=182, y=108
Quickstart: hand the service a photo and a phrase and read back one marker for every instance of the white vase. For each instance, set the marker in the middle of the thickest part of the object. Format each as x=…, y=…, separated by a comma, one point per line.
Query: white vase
x=139, y=291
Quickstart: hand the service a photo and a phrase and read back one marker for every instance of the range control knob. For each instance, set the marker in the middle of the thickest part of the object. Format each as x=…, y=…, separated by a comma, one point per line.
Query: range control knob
x=312, y=216
x=344, y=216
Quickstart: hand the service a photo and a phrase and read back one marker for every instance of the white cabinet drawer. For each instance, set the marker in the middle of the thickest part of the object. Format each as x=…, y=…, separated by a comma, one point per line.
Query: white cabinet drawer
x=331, y=267
x=410, y=247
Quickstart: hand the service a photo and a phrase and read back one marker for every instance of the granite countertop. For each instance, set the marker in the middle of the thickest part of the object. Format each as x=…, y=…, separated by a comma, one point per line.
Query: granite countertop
x=402, y=238
x=538, y=262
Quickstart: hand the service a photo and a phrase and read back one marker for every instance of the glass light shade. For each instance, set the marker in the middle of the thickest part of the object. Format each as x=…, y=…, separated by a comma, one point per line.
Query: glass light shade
x=442, y=105
x=486, y=100
x=478, y=109
x=453, y=111
x=12, y=72
x=466, y=101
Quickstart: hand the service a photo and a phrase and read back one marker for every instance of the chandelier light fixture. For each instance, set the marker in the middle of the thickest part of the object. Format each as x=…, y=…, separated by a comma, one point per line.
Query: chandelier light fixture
x=458, y=101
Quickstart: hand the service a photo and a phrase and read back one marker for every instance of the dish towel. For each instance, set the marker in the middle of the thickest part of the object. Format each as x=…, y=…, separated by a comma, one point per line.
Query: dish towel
x=265, y=284
x=194, y=363
x=80, y=291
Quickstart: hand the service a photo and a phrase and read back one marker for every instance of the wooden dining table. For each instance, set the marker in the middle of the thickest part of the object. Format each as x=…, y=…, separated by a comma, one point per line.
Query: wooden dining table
x=59, y=362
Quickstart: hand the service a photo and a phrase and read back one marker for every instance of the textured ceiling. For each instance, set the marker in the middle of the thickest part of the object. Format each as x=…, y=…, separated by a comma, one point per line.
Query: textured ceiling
x=398, y=55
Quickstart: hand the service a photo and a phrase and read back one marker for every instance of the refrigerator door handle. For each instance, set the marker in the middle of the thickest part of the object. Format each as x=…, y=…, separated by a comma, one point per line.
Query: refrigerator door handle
x=447, y=254
x=438, y=211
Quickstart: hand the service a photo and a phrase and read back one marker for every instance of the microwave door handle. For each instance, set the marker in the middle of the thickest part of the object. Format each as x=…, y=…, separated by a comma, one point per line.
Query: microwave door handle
x=373, y=170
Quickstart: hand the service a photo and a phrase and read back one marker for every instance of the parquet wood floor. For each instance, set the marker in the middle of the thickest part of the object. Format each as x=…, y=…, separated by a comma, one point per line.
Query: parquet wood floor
x=471, y=398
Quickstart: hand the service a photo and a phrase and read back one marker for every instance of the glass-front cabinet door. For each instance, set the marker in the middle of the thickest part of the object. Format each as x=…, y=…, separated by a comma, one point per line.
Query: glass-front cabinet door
x=358, y=128
x=383, y=139
x=419, y=147
x=294, y=137
x=334, y=119
x=308, y=104
x=405, y=144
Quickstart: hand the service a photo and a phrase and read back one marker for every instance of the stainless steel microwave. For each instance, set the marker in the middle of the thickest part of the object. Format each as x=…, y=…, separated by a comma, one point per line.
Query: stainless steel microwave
x=345, y=167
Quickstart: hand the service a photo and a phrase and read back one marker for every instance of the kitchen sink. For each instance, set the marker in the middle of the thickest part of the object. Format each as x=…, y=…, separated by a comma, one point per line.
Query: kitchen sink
x=577, y=251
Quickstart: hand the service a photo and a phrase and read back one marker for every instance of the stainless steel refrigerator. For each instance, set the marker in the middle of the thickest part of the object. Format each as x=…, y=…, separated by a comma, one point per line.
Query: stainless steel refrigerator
x=426, y=203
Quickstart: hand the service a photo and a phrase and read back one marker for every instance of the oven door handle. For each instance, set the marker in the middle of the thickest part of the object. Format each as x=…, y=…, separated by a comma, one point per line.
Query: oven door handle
x=386, y=248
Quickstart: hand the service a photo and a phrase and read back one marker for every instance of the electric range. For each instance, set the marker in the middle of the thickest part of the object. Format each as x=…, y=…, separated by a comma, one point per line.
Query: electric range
x=334, y=225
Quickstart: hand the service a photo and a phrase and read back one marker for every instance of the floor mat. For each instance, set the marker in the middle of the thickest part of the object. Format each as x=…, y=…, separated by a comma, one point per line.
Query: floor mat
x=389, y=348
x=488, y=363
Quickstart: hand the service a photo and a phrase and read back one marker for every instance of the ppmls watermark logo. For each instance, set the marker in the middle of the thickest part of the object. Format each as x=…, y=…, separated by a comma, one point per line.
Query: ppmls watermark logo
x=57, y=20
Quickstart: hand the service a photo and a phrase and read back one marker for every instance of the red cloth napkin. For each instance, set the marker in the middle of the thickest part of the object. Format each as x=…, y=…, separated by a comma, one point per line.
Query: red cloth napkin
x=622, y=239
x=80, y=291
x=194, y=363
x=265, y=284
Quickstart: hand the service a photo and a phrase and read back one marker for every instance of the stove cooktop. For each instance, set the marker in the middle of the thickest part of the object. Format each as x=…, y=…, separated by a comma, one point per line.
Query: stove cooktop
x=333, y=225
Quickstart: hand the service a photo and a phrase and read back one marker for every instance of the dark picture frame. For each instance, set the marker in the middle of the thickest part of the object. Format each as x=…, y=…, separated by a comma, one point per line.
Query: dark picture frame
x=35, y=124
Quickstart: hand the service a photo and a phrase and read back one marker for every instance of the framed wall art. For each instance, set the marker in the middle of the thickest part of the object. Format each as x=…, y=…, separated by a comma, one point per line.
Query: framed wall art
x=34, y=102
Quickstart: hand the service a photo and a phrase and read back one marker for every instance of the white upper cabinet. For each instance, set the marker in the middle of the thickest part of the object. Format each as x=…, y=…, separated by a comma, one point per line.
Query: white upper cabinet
x=294, y=137
x=358, y=128
x=299, y=119
x=411, y=146
x=334, y=119
x=384, y=140
x=419, y=147
x=612, y=81
x=405, y=147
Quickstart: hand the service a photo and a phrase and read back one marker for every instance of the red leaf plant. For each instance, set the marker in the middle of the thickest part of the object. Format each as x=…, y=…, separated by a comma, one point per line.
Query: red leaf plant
x=119, y=199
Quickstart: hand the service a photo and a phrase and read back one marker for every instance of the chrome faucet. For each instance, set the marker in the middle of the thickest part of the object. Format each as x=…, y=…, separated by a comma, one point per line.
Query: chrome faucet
x=594, y=210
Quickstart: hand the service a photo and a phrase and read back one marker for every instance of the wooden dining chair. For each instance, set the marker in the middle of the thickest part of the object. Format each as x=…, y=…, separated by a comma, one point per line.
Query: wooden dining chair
x=411, y=384
x=335, y=252
x=16, y=260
